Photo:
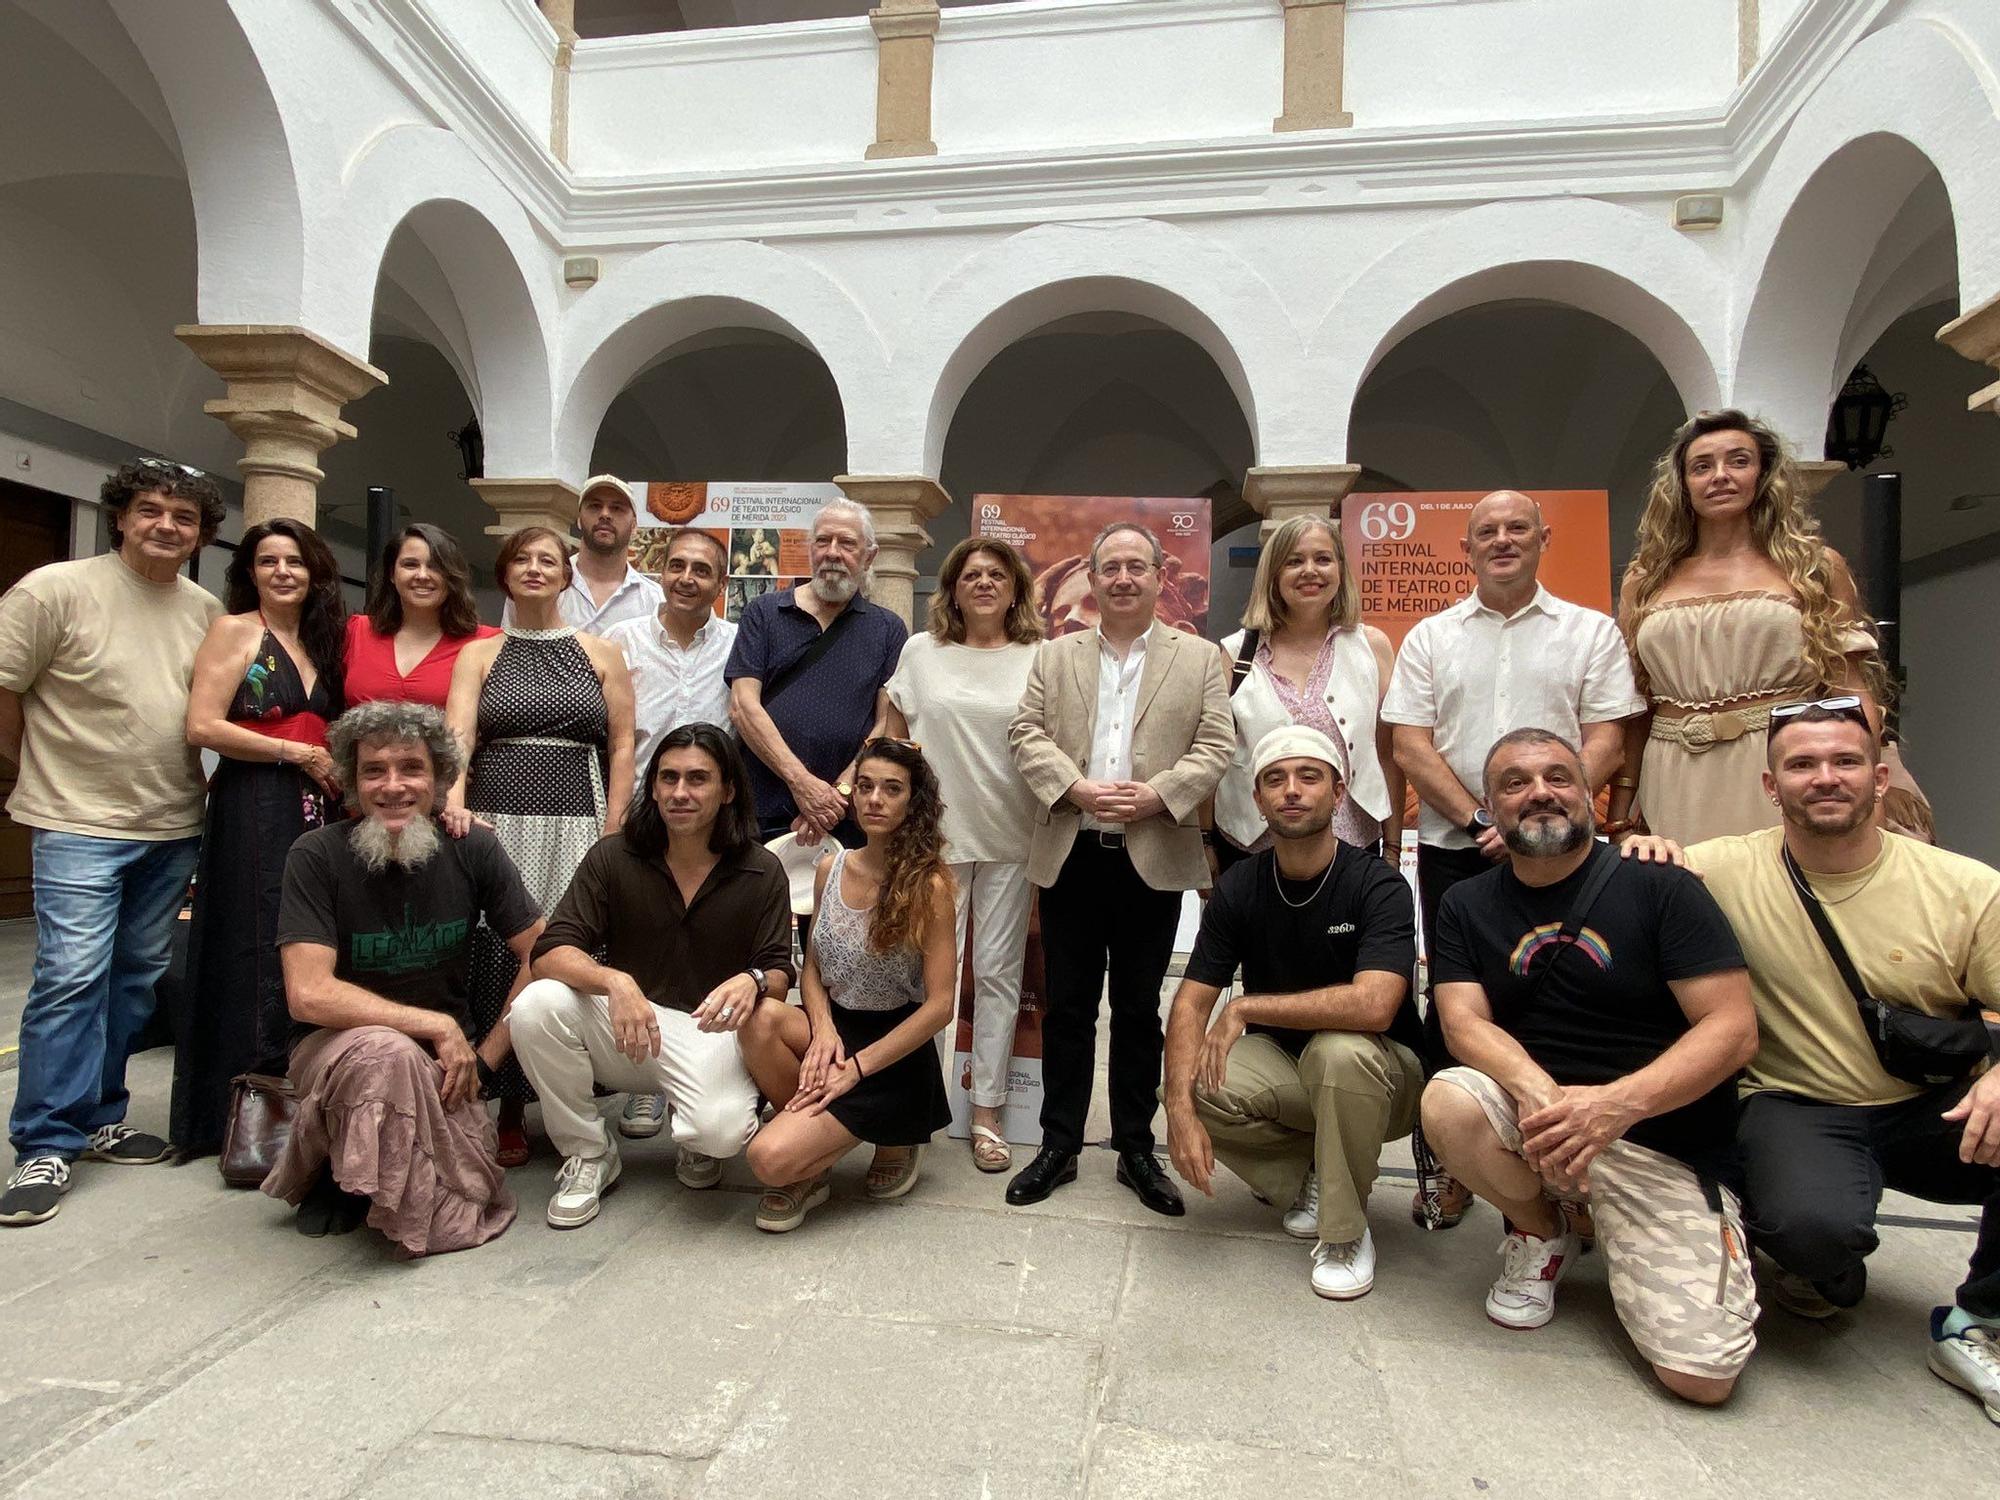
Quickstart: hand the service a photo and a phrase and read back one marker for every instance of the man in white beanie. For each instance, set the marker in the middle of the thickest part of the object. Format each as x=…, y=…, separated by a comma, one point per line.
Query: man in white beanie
x=604, y=588
x=1311, y=1067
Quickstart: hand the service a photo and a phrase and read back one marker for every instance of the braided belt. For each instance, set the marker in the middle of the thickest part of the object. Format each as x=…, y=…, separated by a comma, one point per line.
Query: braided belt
x=1701, y=731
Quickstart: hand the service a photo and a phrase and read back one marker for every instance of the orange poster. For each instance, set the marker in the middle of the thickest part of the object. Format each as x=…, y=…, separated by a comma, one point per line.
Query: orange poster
x=1054, y=532
x=1405, y=550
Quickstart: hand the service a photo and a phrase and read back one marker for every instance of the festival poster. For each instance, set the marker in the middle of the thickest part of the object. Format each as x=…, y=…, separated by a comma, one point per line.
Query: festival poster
x=763, y=529
x=1054, y=532
x=1405, y=551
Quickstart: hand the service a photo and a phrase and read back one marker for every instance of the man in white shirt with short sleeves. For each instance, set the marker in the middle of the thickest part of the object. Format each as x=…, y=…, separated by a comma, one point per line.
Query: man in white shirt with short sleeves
x=1509, y=656
x=604, y=588
x=675, y=655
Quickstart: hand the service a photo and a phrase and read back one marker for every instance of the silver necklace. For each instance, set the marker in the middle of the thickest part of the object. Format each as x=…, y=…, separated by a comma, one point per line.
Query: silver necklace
x=1278, y=881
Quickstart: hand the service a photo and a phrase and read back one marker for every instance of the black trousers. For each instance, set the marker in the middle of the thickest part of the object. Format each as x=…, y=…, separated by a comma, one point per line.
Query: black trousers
x=1438, y=870
x=1100, y=915
x=1815, y=1173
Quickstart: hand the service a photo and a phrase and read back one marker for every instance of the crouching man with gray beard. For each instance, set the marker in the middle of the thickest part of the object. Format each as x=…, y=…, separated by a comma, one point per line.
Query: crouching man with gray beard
x=375, y=934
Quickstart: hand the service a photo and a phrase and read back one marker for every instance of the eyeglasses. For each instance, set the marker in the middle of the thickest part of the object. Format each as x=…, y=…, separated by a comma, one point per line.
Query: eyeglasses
x=163, y=463
x=1847, y=706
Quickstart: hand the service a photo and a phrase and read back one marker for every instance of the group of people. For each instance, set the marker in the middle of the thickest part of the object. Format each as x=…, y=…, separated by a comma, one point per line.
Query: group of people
x=566, y=861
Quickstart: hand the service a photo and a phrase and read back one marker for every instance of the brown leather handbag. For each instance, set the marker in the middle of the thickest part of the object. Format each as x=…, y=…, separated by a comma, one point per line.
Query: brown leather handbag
x=261, y=1106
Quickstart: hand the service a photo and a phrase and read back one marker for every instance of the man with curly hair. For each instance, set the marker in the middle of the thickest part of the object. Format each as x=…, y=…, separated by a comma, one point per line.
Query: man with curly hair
x=375, y=934
x=95, y=660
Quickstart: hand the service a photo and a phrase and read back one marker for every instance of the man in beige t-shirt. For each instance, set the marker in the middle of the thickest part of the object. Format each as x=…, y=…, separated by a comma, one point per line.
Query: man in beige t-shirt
x=95, y=658
x=1825, y=1127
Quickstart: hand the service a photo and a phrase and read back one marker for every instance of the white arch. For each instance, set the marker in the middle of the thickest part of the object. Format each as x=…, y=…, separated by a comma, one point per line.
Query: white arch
x=1627, y=267
x=497, y=273
x=1910, y=96
x=242, y=172
x=678, y=292
x=1143, y=267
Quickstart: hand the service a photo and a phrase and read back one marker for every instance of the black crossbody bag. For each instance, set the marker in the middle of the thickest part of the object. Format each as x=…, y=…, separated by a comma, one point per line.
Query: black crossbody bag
x=794, y=669
x=1914, y=1046
x=1579, y=911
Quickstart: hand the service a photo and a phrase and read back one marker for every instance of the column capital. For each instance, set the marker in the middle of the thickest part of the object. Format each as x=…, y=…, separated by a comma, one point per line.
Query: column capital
x=529, y=502
x=1280, y=491
x=899, y=504
x=1976, y=335
x=284, y=389
x=892, y=21
x=1815, y=474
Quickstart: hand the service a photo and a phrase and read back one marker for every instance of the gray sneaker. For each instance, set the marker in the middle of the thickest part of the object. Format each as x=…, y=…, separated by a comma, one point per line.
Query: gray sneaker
x=643, y=1116
x=697, y=1171
x=124, y=1146
x=35, y=1191
x=580, y=1185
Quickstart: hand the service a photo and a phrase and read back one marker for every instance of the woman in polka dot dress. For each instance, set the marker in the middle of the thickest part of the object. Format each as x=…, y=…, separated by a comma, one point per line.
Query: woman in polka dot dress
x=546, y=714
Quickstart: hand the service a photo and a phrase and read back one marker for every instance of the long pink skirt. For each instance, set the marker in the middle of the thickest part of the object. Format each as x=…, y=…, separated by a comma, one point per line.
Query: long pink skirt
x=368, y=1103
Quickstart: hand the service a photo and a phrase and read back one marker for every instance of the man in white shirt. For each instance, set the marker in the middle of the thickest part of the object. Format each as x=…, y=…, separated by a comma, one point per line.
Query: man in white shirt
x=1509, y=656
x=1122, y=732
x=604, y=588
x=676, y=656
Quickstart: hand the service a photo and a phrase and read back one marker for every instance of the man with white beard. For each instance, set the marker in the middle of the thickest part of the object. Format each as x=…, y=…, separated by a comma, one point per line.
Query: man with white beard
x=375, y=935
x=808, y=681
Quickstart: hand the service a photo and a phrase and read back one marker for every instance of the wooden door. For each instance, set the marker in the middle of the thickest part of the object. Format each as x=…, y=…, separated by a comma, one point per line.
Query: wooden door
x=34, y=529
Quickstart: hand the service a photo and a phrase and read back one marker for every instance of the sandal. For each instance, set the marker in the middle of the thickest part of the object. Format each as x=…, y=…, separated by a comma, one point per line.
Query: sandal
x=892, y=1179
x=783, y=1209
x=511, y=1146
x=990, y=1151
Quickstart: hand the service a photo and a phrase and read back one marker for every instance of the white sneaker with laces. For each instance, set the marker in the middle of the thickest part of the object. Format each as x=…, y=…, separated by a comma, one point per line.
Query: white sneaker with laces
x=1302, y=1218
x=1525, y=1295
x=1344, y=1272
x=1968, y=1359
x=581, y=1183
x=643, y=1116
x=697, y=1171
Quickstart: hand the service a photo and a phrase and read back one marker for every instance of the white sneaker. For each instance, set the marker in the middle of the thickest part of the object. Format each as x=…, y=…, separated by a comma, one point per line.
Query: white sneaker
x=1302, y=1218
x=643, y=1116
x=1525, y=1295
x=1344, y=1272
x=697, y=1171
x=1969, y=1359
x=582, y=1181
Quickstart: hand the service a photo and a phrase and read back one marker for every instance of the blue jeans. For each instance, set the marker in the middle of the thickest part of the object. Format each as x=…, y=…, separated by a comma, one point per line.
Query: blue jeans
x=104, y=914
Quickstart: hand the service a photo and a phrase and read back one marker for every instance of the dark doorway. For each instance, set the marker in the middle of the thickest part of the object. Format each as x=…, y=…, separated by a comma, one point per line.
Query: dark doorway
x=34, y=529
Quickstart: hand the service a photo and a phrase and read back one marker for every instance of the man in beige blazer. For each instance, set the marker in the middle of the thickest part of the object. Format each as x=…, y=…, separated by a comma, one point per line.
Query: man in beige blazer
x=1123, y=731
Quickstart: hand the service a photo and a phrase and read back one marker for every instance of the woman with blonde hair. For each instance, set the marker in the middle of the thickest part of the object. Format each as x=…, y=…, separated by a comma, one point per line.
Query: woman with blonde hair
x=1304, y=657
x=1731, y=604
x=955, y=690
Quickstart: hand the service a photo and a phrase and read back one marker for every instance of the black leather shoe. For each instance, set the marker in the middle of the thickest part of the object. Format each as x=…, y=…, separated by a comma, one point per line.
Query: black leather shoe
x=1048, y=1171
x=1140, y=1172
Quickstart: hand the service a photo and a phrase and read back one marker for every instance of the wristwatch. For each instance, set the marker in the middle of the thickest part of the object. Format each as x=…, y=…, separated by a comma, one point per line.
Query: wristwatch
x=756, y=977
x=1478, y=823
x=845, y=790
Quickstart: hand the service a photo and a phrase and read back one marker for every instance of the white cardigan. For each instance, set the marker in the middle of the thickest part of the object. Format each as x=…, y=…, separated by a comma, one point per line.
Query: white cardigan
x=1353, y=693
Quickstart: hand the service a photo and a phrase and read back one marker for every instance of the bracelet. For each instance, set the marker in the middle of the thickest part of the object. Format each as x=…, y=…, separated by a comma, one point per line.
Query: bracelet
x=1629, y=783
x=859, y=1071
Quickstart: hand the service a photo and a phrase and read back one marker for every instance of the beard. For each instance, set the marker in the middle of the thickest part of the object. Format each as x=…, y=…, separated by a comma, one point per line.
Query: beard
x=409, y=848
x=835, y=585
x=1310, y=826
x=1828, y=819
x=600, y=548
x=1549, y=840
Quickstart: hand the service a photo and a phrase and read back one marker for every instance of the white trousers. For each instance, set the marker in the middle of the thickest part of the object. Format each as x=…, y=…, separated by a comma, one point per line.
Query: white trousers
x=563, y=1038
x=996, y=897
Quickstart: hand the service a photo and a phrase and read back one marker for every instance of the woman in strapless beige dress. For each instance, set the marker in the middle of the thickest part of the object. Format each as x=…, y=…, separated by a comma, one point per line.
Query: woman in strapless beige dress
x=1731, y=604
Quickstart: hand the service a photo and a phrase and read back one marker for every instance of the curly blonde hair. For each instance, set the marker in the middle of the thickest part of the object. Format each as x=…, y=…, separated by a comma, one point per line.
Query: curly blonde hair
x=1265, y=610
x=1785, y=530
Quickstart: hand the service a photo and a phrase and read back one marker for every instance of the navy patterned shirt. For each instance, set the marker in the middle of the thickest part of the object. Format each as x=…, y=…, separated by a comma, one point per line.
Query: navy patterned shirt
x=824, y=712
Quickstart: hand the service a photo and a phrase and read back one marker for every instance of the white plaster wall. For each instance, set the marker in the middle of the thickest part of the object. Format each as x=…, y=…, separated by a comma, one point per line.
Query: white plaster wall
x=1773, y=16
x=512, y=45
x=1437, y=62
x=745, y=99
x=1058, y=74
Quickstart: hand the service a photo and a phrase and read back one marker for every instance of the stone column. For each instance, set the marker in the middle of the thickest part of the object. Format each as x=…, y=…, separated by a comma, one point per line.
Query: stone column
x=561, y=16
x=899, y=504
x=1976, y=335
x=1279, y=492
x=286, y=387
x=906, y=42
x=1315, y=65
x=529, y=502
x=1748, y=47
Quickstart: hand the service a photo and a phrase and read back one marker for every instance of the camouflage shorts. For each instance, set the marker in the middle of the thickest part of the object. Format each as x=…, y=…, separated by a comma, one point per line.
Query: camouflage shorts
x=1679, y=1270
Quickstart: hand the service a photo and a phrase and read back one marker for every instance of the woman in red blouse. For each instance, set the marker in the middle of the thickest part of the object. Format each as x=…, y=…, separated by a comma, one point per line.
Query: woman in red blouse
x=420, y=613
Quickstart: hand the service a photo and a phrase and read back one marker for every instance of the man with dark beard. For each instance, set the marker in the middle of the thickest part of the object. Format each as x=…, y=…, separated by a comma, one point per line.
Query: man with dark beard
x=1826, y=1127
x=1600, y=1022
x=604, y=588
x=375, y=932
x=808, y=680
x=1312, y=1064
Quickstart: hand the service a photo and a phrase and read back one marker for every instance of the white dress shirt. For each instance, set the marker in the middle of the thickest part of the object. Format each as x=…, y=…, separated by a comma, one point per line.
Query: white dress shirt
x=672, y=686
x=637, y=597
x=1117, y=707
x=1470, y=674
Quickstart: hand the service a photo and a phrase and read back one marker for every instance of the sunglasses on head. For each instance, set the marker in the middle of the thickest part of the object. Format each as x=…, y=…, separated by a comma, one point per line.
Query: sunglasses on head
x=164, y=463
x=888, y=739
x=1847, y=706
